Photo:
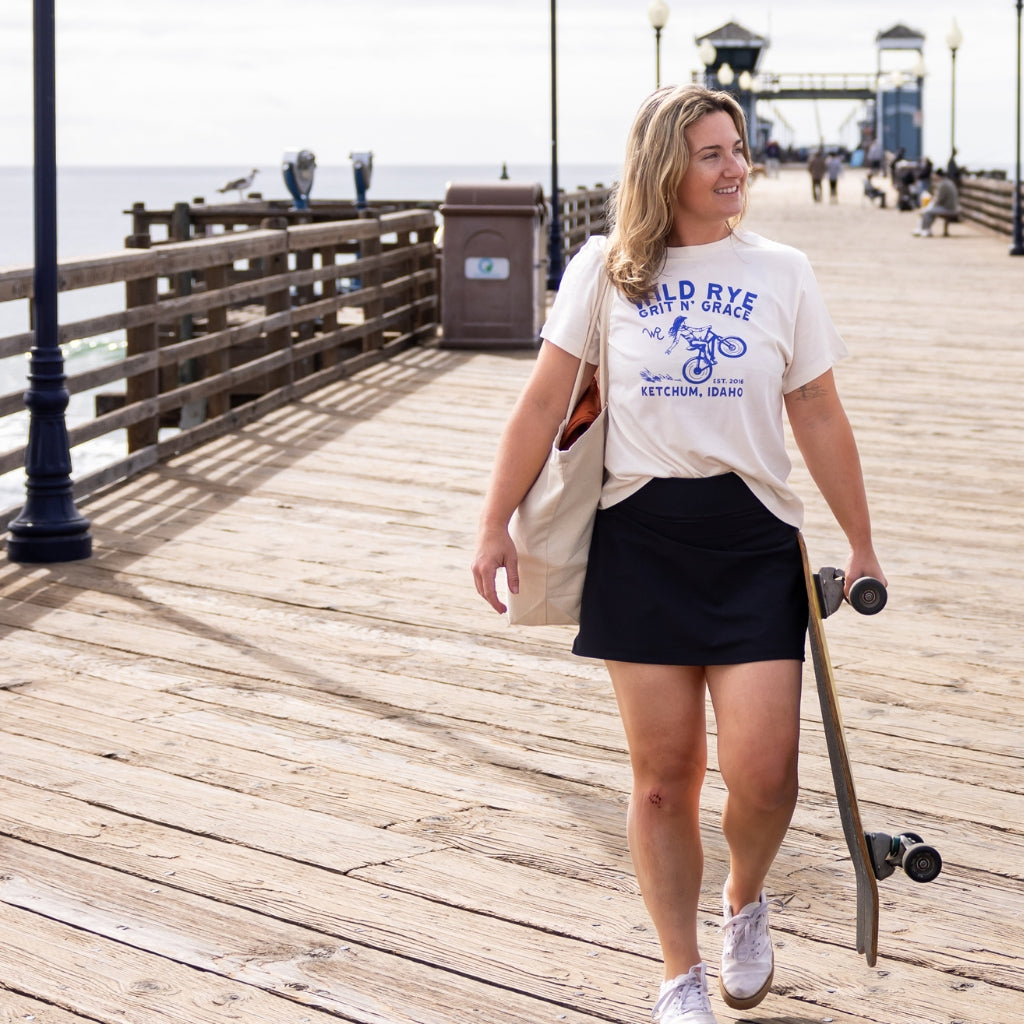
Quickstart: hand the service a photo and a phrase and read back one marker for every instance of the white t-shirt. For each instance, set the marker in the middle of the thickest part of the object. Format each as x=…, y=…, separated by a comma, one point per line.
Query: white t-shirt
x=697, y=374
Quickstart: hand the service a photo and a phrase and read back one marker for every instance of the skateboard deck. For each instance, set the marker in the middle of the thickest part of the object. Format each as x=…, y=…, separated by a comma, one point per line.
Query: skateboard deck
x=874, y=855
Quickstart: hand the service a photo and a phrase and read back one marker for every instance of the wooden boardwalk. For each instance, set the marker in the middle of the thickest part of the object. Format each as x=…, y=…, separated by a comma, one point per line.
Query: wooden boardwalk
x=266, y=757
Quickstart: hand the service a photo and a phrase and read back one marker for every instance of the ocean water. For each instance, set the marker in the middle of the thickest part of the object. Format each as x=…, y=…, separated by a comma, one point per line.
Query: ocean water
x=91, y=220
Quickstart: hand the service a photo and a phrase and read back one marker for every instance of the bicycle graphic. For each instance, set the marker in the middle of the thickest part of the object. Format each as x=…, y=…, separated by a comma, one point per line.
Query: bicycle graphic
x=707, y=345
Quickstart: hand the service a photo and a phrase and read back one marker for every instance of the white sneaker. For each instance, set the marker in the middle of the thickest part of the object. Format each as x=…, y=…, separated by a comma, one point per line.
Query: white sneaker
x=748, y=964
x=684, y=1000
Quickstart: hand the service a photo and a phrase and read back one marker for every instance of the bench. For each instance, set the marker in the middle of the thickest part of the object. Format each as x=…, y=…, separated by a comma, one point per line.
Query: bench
x=947, y=219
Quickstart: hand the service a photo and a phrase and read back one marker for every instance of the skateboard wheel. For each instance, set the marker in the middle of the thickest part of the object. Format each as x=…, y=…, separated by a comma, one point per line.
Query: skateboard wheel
x=868, y=595
x=922, y=863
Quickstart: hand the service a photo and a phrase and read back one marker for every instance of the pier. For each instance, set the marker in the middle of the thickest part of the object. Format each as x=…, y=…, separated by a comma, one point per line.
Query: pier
x=268, y=758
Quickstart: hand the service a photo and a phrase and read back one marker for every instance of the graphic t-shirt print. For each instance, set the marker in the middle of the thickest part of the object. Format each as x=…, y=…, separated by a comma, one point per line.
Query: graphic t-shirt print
x=688, y=326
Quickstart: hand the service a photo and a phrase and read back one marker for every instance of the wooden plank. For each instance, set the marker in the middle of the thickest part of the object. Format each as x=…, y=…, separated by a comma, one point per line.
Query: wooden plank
x=270, y=958
x=367, y=917
x=110, y=983
x=239, y=818
x=16, y=1007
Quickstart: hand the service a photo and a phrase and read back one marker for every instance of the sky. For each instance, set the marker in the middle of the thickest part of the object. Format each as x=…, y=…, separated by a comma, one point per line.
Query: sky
x=239, y=82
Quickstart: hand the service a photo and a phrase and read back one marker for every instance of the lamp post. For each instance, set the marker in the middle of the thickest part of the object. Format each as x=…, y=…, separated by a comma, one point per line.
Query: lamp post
x=707, y=54
x=919, y=71
x=658, y=15
x=1017, y=247
x=48, y=528
x=954, y=37
x=555, y=235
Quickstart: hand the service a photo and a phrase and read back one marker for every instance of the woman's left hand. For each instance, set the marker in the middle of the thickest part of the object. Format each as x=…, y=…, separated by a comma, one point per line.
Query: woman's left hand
x=861, y=564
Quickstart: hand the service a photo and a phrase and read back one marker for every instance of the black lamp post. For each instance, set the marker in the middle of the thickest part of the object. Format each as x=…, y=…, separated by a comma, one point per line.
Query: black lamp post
x=1017, y=247
x=658, y=15
x=953, y=40
x=555, y=236
x=49, y=527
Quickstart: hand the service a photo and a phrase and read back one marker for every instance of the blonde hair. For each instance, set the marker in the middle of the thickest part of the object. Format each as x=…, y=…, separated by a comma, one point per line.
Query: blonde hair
x=657, y=156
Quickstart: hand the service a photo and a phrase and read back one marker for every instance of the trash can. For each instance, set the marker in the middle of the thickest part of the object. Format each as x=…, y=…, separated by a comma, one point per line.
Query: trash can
x=493, y=265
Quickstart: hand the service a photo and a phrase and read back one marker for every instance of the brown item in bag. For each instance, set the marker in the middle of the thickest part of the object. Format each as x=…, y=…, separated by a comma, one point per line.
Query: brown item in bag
x=582, y=416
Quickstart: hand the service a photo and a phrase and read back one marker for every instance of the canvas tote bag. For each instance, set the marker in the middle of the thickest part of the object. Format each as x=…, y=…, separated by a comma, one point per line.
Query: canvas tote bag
x=551, y=528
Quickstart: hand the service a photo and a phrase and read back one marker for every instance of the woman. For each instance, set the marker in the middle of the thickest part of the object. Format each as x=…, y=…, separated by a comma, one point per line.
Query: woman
x=695, y=581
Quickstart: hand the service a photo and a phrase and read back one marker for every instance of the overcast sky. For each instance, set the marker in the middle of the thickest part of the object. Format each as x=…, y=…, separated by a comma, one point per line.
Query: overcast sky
x=237, y=82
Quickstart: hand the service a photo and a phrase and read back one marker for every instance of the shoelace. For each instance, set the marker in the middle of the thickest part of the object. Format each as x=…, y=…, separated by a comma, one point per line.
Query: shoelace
x=745, y=934
x=688, y=990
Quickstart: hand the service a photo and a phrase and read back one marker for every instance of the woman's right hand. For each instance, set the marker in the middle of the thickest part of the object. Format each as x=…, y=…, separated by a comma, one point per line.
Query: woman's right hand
x=495, y=551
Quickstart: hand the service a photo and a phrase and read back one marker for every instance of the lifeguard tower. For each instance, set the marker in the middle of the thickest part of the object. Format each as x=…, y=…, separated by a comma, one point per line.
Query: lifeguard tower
x=898, y=110
x=731, y=55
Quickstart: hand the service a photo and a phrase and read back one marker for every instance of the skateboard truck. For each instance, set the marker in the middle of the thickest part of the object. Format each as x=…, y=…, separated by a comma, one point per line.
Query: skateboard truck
x=867, y=595
x=908, y=851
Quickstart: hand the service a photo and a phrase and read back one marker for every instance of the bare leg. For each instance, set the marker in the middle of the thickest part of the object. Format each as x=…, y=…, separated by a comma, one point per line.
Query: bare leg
x=662, y=709
x=757, y=709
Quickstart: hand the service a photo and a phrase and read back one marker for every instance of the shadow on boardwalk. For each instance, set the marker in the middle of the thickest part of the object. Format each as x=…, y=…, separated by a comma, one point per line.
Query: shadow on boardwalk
x=268, y=758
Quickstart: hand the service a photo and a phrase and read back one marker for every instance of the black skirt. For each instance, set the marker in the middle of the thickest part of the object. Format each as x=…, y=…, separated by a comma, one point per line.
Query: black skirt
x=693, y=572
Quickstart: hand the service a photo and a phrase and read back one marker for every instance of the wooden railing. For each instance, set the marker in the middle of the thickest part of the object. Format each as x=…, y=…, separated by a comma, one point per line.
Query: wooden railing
x=987, y=201
x=231, y=310
x=584, y=212
x=199, y=219
x=217, y=331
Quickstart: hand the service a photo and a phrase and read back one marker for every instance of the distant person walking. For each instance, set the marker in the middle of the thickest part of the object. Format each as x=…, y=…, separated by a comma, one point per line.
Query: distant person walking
x=874, y=157
x=945, y=202
x=773, y=155
x=834, y=168
x=924, y=178
x=816, y=167
x=953, y=169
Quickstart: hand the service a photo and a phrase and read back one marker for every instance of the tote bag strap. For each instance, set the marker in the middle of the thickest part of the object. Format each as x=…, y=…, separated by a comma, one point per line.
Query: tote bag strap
x=599, y=315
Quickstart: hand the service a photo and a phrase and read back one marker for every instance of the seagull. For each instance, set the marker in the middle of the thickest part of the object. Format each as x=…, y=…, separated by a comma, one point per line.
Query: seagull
x=240, y=184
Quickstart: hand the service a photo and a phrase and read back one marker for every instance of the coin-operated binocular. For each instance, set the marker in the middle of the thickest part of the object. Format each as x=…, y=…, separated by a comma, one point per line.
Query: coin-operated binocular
x=362, y=168
x=298, y=167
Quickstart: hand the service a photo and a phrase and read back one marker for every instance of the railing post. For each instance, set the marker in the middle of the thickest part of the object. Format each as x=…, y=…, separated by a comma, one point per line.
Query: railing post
x=328, y=290
x=217, y=362
x=144, y=338
x=278, y=301
x=373, y=279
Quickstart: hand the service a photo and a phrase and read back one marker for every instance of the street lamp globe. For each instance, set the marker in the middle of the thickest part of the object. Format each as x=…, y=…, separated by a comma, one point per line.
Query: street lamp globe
x=658, y=14
x=726, y=75
x=954, y=37
x=707, y=53
x=746, y=81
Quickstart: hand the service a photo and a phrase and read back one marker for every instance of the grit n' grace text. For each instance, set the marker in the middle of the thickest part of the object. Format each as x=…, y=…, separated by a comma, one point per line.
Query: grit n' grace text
x=722, y=299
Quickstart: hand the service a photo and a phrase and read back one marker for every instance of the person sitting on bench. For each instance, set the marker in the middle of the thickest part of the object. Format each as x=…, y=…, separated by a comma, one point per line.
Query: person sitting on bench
x=873, y=192
x=945, y=203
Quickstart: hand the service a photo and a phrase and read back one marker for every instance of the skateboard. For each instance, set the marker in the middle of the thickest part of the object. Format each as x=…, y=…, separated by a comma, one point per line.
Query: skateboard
x=875, y=855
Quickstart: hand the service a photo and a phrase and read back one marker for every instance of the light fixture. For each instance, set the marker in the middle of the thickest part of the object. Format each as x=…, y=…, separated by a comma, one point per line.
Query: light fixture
x=658, y=15
x=954, y=37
